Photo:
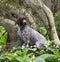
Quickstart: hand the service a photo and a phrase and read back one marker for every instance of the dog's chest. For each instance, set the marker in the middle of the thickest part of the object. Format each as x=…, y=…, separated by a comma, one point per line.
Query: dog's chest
x=24, y=34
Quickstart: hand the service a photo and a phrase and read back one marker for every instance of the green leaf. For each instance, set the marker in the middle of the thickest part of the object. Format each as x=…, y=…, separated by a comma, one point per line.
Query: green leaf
x=39, y=60
x=49, y=57
x=43, y=30
x=56, y=53
x=3, y=39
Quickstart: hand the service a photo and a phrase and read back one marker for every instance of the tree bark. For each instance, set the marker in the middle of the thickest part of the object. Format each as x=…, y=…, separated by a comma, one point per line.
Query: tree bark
x=10, y=27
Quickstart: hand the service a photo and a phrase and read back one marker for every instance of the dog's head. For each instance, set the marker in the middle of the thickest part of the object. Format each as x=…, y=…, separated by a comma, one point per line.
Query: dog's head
x=22, y=21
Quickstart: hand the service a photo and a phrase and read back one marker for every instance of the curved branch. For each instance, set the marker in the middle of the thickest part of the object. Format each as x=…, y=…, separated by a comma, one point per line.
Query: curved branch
x=11, y=29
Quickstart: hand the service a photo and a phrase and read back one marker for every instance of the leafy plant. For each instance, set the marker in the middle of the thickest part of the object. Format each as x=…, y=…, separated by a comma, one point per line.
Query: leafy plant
x=3, y=36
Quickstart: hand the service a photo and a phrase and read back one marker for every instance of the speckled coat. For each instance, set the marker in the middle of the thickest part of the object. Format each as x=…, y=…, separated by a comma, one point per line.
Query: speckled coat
x=29, y=36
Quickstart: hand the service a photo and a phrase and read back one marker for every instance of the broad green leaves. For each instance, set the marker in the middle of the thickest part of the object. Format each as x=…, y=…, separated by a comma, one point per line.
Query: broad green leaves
x=3, y=36
x=24, y=56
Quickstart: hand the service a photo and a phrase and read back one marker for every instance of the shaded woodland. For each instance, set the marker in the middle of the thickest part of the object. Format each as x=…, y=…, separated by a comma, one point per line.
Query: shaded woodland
x=43, y=16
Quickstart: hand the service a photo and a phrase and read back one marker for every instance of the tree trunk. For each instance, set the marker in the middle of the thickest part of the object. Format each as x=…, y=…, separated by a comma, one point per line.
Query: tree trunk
x=10, y=27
